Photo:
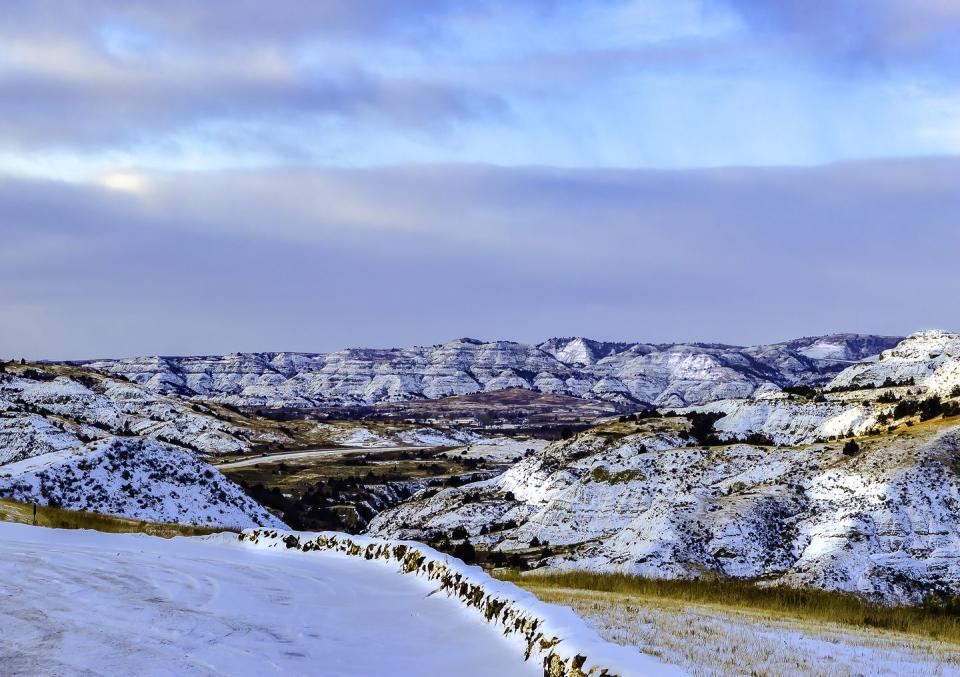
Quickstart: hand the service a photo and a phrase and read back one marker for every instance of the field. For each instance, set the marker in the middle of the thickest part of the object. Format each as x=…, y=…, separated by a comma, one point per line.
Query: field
x=726, y=627
x=23, y=513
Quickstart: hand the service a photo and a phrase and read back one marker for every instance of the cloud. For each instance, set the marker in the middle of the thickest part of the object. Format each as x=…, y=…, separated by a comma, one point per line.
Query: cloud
x=321, y=259
x=878, y=33
x=600, y=82
x=65, y=92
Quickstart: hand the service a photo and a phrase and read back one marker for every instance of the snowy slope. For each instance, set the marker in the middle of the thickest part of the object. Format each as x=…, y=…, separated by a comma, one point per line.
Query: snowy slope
x=135, y=478
x=88, y=405
x=220, y=607
x=930, y=359
x=884, y=523
x=665, y=374
x=789, y=421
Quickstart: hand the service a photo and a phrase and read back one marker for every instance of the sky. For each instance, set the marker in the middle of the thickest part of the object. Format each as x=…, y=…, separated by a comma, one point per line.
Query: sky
x=207, y=177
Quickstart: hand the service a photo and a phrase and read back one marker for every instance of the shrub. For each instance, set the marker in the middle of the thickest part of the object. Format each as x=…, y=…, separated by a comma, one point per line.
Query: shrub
x=851, y=448
x=759, y=440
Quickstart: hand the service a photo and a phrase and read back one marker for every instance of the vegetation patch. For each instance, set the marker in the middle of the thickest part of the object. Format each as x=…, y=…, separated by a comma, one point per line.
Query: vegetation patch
x=937, y=619
x=58, y=518
x=601, y=474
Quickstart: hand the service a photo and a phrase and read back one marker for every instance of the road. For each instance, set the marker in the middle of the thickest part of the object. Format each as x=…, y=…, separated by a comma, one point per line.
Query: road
x=310, y=453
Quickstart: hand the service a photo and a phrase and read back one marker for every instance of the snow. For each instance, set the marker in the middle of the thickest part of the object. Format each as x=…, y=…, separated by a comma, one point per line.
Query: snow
x=107, y=406
x=883, y=523
x=930, y=358
x=135, y=478
x=669, y=375
x=789, y=422
x=566, y=634
x=712, y=641
x=79, y=602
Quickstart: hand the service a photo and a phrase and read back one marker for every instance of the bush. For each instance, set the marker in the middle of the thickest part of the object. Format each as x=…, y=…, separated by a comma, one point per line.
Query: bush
x=851, y=448
x=905, y=408
x=801, y=391
x=759, y=440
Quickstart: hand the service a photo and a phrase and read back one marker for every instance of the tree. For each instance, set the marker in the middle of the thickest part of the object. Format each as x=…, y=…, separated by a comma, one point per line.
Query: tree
x=466, y=552
x=851, y=448
x=497, y=559
x=701, y=426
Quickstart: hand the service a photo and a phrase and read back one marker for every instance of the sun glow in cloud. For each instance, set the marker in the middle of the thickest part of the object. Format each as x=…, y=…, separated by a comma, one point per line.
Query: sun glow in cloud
x=123, y=182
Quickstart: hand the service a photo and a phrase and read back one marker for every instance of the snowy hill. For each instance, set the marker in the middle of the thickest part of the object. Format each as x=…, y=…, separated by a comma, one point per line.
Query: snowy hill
x=929, y=359
x=136, y=478
x=880, y=516
x=77, y=404
x=638, y=373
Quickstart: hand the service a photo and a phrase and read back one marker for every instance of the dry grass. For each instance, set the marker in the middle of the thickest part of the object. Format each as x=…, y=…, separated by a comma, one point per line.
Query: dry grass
x=57, y=518
x=713, y=641
x=801, y=604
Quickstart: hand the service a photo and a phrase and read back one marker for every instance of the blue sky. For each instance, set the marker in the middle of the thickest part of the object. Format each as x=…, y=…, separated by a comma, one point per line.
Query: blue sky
x=187, y=177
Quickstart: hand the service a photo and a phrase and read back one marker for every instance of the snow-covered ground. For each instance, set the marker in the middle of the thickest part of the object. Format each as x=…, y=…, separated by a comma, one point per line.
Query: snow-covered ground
x=79, y=602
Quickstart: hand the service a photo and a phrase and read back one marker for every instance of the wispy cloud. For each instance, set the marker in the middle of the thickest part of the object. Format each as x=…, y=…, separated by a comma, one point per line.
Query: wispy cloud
x=595, y=83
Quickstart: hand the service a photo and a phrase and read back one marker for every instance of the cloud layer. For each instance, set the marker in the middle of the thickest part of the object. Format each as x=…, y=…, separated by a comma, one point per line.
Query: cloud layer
x=87, y=83
x=186, y=176
x=321, y=259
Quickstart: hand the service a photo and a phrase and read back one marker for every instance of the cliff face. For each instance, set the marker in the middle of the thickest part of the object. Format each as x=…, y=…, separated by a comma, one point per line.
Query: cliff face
x=671, y=375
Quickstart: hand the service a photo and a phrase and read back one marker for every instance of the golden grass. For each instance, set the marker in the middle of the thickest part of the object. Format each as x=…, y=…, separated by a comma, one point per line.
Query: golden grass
x=57, y=518
x=800, y=603
x=709, y=640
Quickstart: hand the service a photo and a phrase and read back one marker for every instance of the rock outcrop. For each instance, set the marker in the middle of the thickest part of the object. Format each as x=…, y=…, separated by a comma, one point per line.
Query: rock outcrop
x=670, y=375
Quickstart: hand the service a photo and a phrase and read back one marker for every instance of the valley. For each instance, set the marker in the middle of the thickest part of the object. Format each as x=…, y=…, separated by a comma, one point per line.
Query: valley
x=830, y=475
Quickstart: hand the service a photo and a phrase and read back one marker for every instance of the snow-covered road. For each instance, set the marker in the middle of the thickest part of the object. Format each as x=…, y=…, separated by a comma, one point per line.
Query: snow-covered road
x=87, y=603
